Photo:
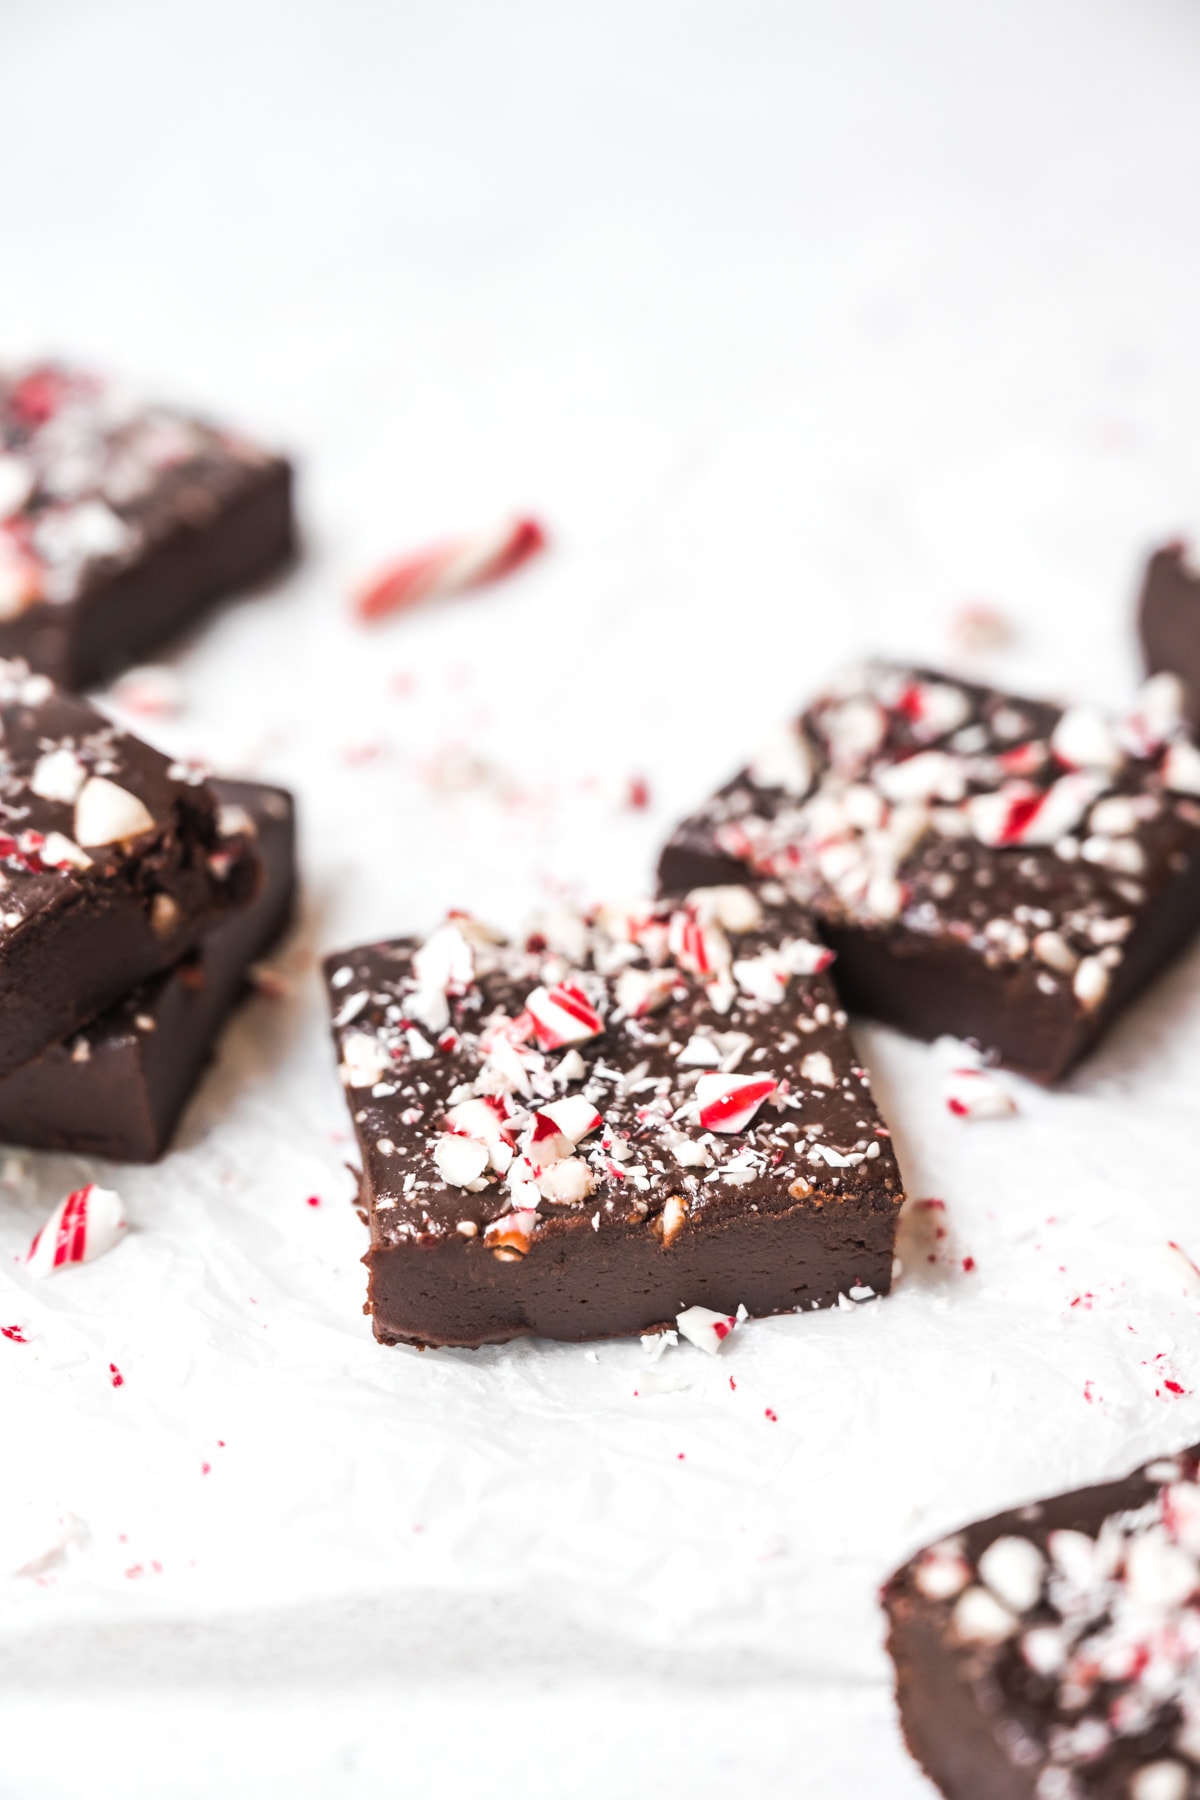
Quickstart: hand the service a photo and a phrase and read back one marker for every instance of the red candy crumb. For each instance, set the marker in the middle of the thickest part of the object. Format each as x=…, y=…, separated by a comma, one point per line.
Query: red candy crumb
x=118, y=1380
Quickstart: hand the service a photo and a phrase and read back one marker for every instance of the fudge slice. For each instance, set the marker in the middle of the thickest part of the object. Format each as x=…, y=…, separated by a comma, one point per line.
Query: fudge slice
x=1053, y=1653
x=120, y=522
x=105, y=871
x=118, y=1087
x=996, y=868
x=1169, y=621
x=628, y=1114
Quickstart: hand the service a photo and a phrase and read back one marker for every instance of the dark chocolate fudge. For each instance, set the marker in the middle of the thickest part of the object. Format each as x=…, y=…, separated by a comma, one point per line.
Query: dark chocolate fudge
x=995, y=868
x=118, y=1087
x=1053, y=1653
x=105, y=870
x=120, y=523
x=1169, y=621
x=630, y=1114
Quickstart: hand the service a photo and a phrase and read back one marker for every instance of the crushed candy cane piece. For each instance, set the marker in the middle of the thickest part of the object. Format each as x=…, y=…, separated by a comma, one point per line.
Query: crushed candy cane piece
x=364, y=1060
x=1084, y=739
x=975, y=1094
x=707, y=1329
x=567, y=1182
x=1014, y=1570
x=82, y=1227
x=452, y=567
x=59, y=852
x=574, y=1116
x=108, y=814
x=979, y=1618
x=58, y=775
x=729, y=1102
x=562, y=1015
x=1163, y=1780
x=642, y=991
x=460, y=1160
x=1181, y=768
x=943, y=1571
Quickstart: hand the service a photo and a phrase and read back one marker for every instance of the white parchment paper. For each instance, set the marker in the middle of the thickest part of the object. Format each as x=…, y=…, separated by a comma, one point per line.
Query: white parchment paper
x=800, y=327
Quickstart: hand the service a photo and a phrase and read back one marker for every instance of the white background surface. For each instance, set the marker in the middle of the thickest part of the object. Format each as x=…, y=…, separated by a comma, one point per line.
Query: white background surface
x=800, y=325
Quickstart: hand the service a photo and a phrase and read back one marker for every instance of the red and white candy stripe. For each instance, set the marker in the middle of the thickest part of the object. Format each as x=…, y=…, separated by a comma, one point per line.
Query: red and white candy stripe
x=728, y=1102
x=81, y=1228
x=453, y=567
x=562, y=1015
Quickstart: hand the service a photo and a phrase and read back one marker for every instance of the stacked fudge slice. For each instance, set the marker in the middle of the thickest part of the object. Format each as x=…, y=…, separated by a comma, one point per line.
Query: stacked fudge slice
x=132, y=896
x=627, y=1115
x=1053, y=1653
x=987, y=866
x=120, y=522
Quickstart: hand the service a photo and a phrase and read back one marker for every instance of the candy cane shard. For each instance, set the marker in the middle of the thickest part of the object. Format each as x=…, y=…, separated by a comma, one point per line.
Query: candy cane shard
x=453, y=567
x=728, y=1102
x=562, y=1015
x=707, y=1329
x=974, y=1094
x=81, y=1228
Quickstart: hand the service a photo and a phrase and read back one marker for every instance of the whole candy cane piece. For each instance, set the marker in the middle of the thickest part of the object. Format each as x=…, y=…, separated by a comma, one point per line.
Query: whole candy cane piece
x=81, y=1228
x=450, y=568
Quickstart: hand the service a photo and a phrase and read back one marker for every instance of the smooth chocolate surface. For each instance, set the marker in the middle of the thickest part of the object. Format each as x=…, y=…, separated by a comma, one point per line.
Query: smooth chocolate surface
x=988, y=866
x=120, y=523
x=625, y=1116
x=117, y=1088
x=1053, y=1652
x=1169, y=621
x=105, y=871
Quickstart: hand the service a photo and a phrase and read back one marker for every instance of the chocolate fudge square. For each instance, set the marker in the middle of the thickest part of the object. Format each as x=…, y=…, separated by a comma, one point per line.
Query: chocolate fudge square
x=117, y=1088
x=996, y=868
x=1053, y=1653
x=105, y=870
x=121, y=522
x=628, y=1114
x=1169, y=621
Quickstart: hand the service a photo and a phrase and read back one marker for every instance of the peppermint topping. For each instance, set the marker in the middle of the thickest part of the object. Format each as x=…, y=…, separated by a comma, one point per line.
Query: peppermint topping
x=1024, y=833
x=89, y=479
x=1107, y=1621
x=610, y=1065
